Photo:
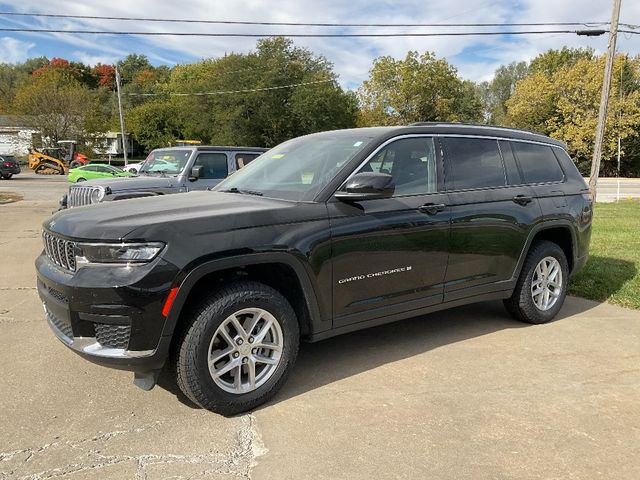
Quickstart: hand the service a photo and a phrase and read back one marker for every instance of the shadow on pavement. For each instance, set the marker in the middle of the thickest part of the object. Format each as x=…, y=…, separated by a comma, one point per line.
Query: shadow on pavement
x=341, y=357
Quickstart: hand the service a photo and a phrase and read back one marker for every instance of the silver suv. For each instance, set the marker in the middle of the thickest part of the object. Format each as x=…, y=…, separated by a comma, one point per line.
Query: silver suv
x=165, y=171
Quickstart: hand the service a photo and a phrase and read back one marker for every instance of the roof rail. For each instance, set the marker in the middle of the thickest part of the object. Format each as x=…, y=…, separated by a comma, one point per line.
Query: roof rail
x=474, y=125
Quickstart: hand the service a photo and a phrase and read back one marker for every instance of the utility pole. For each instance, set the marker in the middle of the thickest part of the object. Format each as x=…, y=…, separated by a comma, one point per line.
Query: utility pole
x=604, y=99
x=124, y=137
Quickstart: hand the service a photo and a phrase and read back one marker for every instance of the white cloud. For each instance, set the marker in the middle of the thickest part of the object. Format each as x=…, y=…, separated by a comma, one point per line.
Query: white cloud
x=13, y=50
x=475, y=57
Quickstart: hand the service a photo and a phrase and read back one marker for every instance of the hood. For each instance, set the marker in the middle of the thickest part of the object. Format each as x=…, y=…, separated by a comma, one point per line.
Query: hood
x=164, y=216
x=143, y=182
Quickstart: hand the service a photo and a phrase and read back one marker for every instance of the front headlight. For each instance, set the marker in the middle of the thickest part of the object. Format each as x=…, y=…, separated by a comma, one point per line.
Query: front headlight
x=97, y=194
x=122, y=253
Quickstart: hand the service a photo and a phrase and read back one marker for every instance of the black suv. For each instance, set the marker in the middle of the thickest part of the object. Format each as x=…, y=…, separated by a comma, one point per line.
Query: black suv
x=322, y=235
x=9, y=166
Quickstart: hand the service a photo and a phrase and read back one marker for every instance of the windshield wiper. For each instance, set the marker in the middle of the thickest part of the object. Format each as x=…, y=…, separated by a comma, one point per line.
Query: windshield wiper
x=242, y=191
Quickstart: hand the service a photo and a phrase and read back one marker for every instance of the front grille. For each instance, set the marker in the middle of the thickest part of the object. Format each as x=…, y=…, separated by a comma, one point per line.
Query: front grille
x=60, y=324
x=79, y=195
x=60, y=251
x=113, y=336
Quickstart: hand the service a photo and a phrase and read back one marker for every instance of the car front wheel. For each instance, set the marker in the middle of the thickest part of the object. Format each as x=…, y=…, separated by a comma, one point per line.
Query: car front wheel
x=238, y=348
x=542, y=286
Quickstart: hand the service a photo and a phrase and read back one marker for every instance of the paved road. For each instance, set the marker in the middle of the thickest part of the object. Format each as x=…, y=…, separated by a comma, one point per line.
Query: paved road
x=608, y=190
x=463, y=394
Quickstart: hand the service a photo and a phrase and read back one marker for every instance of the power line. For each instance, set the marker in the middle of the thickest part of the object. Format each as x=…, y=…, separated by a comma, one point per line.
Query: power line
x=298, y=24
x=224, y=92
x=295, y=35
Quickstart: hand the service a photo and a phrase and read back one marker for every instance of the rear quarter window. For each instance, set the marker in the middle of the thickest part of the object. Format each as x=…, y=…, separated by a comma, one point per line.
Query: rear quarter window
x=473, y=163
x=538, y=163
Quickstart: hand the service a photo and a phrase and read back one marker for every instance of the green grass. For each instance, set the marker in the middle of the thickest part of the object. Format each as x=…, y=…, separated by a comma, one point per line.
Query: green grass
x=612, y=273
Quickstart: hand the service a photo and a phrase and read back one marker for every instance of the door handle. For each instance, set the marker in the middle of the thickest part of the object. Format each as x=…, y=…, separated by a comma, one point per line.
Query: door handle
x=432, y=208
x=522, y=200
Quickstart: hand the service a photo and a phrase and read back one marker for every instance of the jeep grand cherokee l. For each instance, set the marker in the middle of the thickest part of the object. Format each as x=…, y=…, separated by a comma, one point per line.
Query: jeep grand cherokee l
x=166, y=170
x=322, y=235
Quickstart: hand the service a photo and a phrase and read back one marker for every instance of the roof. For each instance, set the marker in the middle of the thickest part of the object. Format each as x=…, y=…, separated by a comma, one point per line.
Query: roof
x=215, y=147
x=482, y=130
x=443, y=128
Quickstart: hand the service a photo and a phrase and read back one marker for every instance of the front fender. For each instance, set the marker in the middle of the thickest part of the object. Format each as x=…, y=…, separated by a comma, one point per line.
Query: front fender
x=188, y=281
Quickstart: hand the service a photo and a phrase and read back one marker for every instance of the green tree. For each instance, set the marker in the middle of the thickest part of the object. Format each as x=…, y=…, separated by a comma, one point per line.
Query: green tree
x=565, y=105
x=551, y=61
x=60, y=106
x=262, y=105
x=155, y=124
x=417, y=88
x=495, y=93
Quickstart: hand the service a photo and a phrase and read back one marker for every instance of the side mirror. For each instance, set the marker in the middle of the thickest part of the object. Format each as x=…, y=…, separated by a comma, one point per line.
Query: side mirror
x=196, y=173
x=367, y=186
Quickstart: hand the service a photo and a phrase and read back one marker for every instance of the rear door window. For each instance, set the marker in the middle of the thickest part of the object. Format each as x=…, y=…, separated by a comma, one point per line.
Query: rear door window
x=538, y=163
x=473, y=163
x=244, y=159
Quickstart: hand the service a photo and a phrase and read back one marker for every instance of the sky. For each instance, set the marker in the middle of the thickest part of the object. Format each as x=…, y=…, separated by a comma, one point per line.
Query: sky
x=476, y=58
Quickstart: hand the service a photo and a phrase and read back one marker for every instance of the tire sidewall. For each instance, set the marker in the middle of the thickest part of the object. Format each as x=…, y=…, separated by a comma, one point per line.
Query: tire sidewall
x=213, y=317
x=534, y=314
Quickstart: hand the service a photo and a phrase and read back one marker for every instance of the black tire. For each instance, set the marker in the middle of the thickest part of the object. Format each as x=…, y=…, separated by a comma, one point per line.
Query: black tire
x=521, y=305
x=8, y=176
x=193, y=375
x=75, y=164
x=81, y=180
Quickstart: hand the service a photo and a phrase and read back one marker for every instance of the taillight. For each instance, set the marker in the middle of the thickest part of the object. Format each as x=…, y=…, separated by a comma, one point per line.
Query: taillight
x=8, y=164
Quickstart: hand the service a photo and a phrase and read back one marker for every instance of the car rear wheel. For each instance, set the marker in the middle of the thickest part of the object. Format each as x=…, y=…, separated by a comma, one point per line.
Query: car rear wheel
x=81, y=180
x=238, y=348
x=7, y=176
x=542, y=286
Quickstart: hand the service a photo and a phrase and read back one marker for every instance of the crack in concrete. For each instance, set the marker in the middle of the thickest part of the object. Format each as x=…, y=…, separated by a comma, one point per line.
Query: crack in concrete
x=239, y=461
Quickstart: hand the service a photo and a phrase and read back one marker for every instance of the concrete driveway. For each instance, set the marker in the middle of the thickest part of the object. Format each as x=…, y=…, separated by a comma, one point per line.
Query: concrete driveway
x=463, y=394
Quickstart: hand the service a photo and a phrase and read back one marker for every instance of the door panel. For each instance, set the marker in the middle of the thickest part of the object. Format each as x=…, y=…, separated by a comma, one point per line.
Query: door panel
x=215, y=168
x=490, y=220
x=488, y=233
x=388, y=256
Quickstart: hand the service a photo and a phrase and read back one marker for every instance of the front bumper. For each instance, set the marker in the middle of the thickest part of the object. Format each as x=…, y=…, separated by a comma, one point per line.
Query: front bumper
x=109, y=315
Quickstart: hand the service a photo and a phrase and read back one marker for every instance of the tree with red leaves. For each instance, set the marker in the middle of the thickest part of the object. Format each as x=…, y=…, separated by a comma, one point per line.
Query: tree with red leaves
x=106, y=75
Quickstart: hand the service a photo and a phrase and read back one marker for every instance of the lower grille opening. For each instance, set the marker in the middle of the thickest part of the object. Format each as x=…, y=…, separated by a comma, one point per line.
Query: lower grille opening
x=113, y=336
x=61, y=325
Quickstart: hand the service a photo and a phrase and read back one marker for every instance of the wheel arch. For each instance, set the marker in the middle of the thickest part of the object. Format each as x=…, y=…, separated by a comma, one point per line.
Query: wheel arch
x=281, y=271
x=560, y=232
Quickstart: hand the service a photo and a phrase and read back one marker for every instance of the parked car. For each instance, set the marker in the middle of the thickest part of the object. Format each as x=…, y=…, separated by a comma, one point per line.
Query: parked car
x=133, y=167
x=95, y=171
x=165, y=171
x=324, y=234
x=9, y=166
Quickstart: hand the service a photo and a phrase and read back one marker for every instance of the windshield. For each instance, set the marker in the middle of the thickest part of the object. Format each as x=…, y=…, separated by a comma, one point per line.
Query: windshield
x=298, y=169
x=166, y=161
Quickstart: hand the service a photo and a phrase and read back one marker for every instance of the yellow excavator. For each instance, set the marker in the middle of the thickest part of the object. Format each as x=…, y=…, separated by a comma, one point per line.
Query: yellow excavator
x=56, y=160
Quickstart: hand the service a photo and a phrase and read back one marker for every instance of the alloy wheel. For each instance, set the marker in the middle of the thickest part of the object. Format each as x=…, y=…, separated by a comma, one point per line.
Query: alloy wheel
x=245, y=350
x=546, y=285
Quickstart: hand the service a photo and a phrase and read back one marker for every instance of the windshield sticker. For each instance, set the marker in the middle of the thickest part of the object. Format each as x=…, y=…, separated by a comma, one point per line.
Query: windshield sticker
x=375, y=274
x=277, y=155
x=357, y=144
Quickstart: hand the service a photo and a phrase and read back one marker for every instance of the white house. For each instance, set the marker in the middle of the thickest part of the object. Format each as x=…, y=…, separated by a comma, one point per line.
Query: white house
x=16, y=138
